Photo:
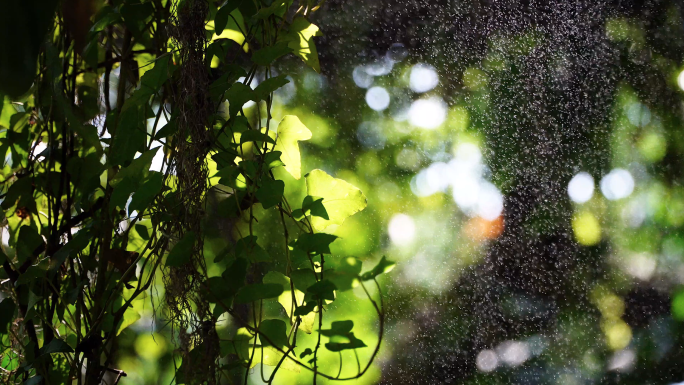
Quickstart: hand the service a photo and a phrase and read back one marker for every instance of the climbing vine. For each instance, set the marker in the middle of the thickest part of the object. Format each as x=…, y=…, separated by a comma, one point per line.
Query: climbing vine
x=126, y=139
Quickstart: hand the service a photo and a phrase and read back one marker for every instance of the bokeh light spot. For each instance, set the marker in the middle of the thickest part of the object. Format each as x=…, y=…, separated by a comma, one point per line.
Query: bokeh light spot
x=401, y=229
x=617, y=184
x=486, y=360
x=423, y=78
x=377, y=98
x=361, y=77
x=587, y=228
x=581, y=187
x=427, y=113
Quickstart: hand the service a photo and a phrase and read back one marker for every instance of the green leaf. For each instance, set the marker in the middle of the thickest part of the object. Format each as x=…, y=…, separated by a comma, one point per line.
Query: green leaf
x=56, y=346
x=221, y=18
x=219, y=290
x=121, y=192
x=286, y=300
x=22, y=188
x=134, y=16
x=267, y=55
x=340, y=199
x=271, y=192
x=255, y=136
x=306, y=310
x=354, y=343
x=278, y=7
x=142, y=231
x=169, y=129
x=300, y=39
x=384, y=266
x=138, y=99
x=229, y=175
x=155, y=78
x=258, y=291
x=323, y=290
x=182, y=251
x=345, y=273
x=33, y=299
x=22, y=33
x=235, y=275
x=272, y=159
x=77, y=243
x=218, y=88
x=28, y=241
x=265, y=88
x=338, y=328
x=31, y=274
x=129, y=318
x=219, y=49
x=290, y=131
x=7, y=308
x=138, y=170
x=130, y=136
x=305, y=353
x=314, y=206
x=106, y=17
x=146, y=193
x=248, y=247
x=275, y=332
x=298, y=214
x=85, y=172
x=237, y=96
x=318, y=243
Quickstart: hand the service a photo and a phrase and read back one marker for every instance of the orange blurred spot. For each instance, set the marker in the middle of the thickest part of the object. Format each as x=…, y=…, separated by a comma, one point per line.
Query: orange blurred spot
x=480, y=229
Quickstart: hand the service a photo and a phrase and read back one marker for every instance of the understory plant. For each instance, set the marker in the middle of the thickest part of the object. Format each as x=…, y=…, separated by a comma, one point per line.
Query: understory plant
x=137, y=135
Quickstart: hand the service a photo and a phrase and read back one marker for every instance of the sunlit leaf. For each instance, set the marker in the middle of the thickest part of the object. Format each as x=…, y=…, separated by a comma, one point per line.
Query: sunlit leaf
x=300, y=37
x=290, y=131
x=130, y=316
x=340, y=199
